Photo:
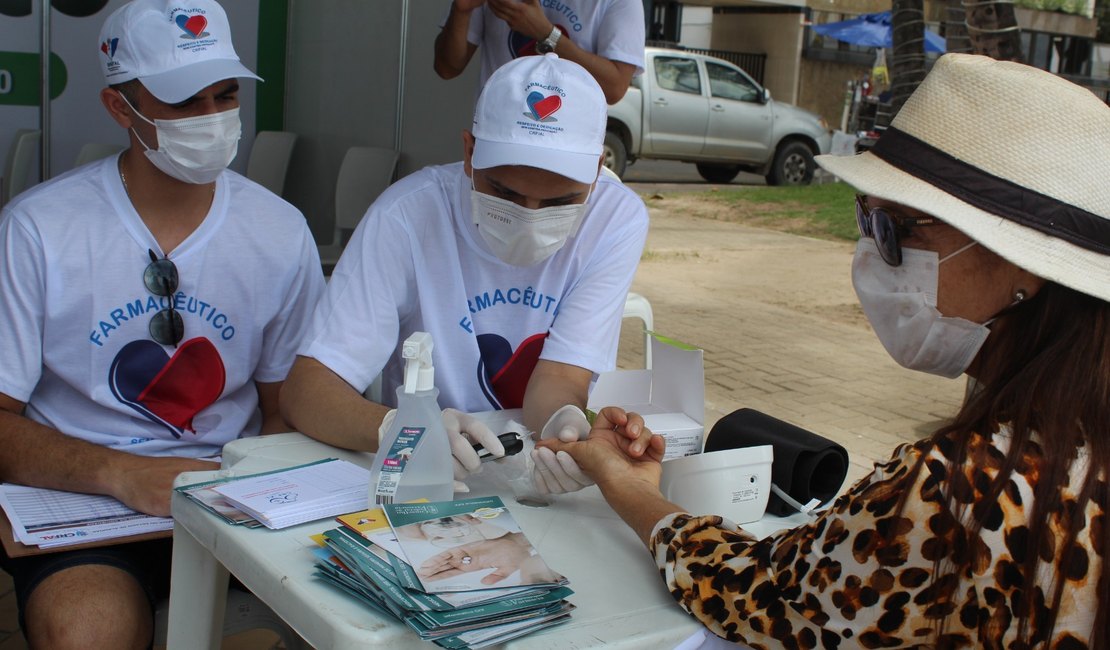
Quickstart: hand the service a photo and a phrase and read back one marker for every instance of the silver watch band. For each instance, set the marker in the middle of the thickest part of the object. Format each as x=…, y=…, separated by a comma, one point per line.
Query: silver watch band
x=552, y=39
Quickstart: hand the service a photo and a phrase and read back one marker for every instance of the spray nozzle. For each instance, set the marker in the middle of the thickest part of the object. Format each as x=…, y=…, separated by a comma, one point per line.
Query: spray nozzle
x=417, y=353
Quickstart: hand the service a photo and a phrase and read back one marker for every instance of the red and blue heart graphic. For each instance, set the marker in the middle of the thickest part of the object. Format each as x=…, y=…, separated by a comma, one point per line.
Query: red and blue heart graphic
x=192, y=25
x=168, y=390
x=543, y=107
x=502, y=373
x=109, y=47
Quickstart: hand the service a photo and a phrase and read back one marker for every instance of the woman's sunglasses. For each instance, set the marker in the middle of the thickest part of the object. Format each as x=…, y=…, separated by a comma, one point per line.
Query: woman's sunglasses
x=886, y=229
x=160, y=278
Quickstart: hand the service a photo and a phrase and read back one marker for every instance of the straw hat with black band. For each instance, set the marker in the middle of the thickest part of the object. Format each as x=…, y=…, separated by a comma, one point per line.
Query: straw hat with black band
x=981, y=146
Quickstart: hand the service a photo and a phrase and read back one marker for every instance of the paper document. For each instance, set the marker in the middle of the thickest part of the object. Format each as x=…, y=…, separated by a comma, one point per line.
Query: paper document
x=49, y=518
x=305, y=493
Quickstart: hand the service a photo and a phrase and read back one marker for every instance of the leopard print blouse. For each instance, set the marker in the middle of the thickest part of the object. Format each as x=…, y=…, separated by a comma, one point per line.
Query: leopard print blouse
x=834, y=584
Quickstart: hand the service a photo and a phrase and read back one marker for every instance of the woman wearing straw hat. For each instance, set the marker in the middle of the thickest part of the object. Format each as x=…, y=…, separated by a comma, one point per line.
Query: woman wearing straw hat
x=985, y=215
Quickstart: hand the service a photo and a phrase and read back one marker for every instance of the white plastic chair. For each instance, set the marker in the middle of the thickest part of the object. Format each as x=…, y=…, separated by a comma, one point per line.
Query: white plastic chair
x=91, y=151
x=269, y=161
x=17, y=167
x=637, y=306
x=244, y=611
x=363, y=175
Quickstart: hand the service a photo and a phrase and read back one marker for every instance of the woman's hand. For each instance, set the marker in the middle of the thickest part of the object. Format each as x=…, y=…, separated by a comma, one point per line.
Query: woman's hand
x=504, y=554
x=619, y=449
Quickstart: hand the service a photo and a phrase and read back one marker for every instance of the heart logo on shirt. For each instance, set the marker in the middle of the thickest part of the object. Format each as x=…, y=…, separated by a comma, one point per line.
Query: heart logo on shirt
x=168, y=390
x=502, y=373
x=193, y=26
x=543, y=107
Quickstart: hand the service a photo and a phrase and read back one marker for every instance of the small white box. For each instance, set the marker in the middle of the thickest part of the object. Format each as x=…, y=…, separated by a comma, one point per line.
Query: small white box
x=670, y=396
x=733, y=483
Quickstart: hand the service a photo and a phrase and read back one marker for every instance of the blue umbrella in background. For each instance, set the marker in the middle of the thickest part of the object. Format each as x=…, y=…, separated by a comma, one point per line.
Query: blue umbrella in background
x=873, y=30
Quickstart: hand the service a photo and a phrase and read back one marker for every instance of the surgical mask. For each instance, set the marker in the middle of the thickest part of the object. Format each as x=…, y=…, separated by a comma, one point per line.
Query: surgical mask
x=901, y=304
x=194, y=149
x=522, y=236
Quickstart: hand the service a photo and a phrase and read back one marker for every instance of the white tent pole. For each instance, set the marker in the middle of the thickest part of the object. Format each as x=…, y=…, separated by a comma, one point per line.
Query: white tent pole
x=44, y=90
x=400, y=122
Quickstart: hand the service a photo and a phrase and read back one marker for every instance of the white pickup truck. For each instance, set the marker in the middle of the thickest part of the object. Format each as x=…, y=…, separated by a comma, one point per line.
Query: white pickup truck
x=701, y=109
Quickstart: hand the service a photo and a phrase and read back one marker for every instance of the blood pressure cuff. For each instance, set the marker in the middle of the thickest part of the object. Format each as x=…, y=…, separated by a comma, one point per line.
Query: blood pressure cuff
x=806, y=466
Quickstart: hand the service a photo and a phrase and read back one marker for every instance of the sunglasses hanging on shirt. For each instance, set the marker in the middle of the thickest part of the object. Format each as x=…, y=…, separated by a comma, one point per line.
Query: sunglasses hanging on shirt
x=160, y=278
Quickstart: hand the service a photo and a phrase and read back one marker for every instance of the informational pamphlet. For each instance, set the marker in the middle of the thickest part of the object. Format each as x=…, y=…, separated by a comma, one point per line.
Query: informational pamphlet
x=305, y=493
x=512, y=591
x=466, y=545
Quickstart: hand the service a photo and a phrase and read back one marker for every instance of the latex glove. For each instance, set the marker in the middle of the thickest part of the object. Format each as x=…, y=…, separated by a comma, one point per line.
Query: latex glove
x=462, y=429
x=557, y=473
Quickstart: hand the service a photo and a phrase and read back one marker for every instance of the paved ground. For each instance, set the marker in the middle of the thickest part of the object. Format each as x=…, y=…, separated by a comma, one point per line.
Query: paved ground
x=781, y=331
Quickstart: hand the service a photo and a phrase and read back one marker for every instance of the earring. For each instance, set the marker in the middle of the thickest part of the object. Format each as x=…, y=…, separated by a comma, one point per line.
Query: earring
x=1019, y=295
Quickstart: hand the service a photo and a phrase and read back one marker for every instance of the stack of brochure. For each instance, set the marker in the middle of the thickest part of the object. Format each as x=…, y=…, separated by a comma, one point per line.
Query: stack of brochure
x=459, y=573
x=294, y=496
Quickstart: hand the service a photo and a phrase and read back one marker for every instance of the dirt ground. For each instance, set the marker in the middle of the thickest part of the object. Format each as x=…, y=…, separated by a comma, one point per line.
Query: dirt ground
x=795, y=273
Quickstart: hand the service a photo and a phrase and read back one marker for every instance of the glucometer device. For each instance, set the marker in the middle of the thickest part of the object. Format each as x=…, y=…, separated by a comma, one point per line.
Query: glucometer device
x=512, y=441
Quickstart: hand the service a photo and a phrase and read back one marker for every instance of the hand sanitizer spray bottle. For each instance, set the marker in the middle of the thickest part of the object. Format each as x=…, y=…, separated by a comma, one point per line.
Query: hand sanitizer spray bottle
x=414, y=457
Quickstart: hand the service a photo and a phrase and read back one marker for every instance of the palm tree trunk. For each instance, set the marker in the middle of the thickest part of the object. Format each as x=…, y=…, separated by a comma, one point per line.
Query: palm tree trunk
x=992, y=26
x=907, y=62
x=955, y=28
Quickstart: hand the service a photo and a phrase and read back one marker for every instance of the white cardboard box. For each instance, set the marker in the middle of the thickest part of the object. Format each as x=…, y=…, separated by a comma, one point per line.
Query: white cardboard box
x=670, y=395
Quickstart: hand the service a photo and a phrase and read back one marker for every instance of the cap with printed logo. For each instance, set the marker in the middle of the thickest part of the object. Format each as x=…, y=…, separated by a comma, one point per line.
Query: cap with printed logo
x=175, y=48
x=541, y=111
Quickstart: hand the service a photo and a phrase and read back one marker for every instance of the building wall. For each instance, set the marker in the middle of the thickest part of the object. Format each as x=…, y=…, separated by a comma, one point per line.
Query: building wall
x=345, y=65
x=778, y=35
x=824, y=86
x=697, y=27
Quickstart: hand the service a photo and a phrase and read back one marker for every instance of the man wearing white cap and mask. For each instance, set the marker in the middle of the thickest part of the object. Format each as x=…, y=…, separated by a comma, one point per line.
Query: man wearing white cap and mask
x=151, y=306
x=516, y=260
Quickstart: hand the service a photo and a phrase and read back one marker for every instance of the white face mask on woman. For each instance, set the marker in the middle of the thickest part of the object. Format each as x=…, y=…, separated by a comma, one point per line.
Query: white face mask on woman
x=901, y=304
x=523, y=236
x=194, y=149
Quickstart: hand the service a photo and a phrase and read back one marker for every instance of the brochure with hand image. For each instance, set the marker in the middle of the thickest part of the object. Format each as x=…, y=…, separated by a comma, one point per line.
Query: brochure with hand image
x=467, y=545
x=514, y=593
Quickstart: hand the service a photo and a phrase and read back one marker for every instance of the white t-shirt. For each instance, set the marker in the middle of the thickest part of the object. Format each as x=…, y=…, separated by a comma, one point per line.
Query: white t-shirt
x=613, y=29
x=416, y=262
x=75, y=313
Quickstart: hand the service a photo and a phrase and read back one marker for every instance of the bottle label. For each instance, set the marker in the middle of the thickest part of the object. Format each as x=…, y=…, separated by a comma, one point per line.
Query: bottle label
x=393, y=465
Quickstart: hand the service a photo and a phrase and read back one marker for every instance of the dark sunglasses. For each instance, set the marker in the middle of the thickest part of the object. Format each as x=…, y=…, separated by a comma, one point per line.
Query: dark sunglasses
x=160, y=278
x=886, y=229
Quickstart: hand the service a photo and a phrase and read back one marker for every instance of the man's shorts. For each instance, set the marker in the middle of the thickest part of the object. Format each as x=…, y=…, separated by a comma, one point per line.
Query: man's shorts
x=148, y=562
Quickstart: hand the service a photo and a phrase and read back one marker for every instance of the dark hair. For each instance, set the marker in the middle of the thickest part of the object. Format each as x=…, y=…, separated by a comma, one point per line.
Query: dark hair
x=1046, y=374
x=129, y=91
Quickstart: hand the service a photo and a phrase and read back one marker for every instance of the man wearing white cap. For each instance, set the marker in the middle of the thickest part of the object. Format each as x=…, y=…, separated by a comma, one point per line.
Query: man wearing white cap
x=151, y=306
x=516, y=260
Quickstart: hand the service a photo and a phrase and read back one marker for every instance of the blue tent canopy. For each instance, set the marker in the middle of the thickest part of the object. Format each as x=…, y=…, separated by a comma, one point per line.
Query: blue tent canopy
x=873, y=30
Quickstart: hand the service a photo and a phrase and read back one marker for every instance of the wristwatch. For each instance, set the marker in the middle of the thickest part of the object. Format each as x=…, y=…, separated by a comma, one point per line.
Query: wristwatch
x=548, y=44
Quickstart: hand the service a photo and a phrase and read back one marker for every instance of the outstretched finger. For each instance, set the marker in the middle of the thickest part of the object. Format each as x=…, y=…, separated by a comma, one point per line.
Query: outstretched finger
x=497, y=576
x=610, y=417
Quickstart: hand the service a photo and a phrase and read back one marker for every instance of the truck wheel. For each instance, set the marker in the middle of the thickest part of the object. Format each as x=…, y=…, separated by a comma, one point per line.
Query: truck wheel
x=718, y=173
x=615, y=155
x=793, y=165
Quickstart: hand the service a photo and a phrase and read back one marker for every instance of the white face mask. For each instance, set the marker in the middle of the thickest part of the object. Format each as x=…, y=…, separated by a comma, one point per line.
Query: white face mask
x=901, y=304
x=194, y=149
x=523, y=236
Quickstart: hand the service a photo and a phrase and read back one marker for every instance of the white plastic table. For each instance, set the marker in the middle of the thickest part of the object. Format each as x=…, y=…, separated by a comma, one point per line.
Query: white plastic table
x=622, y=603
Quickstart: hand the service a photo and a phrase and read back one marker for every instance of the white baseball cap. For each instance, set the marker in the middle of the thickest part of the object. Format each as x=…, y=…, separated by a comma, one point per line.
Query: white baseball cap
x=175, y=48
x=541, y=111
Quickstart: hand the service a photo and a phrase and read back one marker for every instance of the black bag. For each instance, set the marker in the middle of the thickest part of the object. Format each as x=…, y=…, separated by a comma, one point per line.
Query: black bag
x=806, y=466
